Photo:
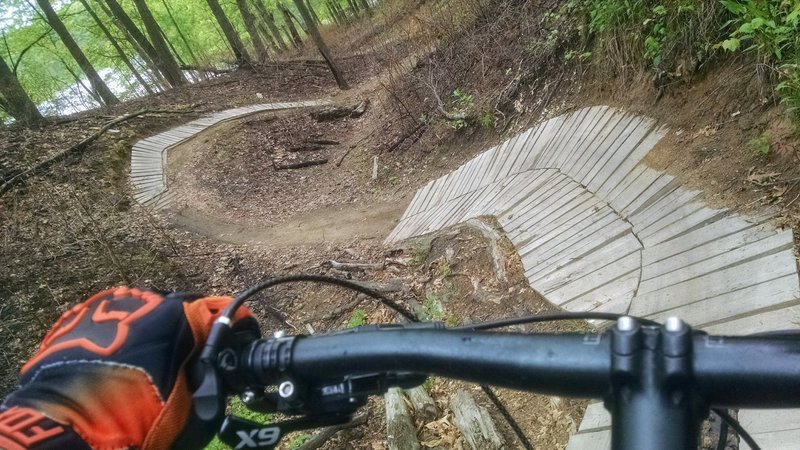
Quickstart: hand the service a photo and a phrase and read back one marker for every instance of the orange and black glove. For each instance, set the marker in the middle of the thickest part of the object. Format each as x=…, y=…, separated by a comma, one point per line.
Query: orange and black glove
x=112, y=373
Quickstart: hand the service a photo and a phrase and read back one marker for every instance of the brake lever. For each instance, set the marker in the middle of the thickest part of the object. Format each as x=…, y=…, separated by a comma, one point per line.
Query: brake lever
x=241, y=433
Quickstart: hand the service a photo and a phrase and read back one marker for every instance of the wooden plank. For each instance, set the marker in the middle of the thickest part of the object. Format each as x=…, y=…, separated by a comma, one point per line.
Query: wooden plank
x=510, y=165
x=582, y=126
x=537, y=201
x=554, y=219
x=598, y=440
x=599, y=145
x=595, y=418
x=524, y=185
x=661, y=187
x=573, y=244
x=780, y=319
x=492, y=164
x=419, y=205
x=779, y=440
x=680, y=213
x=769, y=420
x=617, y=291
x=436, y=192
x=538, y=141
x=677, y=229
x=640, y=190
x=480, y=169
x=750, y=301
x=449, y=191
x=666, y=205
x=553, y=151
x=699, y=246
x=514, y=201
x=585, y=144
x=557, y=276
x=626, y=182
x=631, y=161
x=587, y=283
x=615, y=153
x=714, y=284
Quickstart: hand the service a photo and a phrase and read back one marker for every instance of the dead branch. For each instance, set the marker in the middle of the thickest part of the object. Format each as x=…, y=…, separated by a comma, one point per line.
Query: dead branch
x=325, y=434
x=75, y=149
x=322, y=141
x=304, y=148
x=440, y=105
x=299, y=165
x=209, y=69
x=344, y=155
x=354, y=266
x=360, y=109
x=413, y=136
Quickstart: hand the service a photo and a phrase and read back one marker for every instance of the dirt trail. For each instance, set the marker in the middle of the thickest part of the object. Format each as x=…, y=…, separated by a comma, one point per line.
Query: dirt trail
x=340, y=223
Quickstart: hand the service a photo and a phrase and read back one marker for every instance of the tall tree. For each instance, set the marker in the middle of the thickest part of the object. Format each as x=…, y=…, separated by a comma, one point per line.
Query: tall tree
x=313, y=13
x=180, y=33
x=120, y=52
x=98, y=85
x=287, y=20
x=15, y=101
x=135, y=36
x=164, y=60
x=269, y=19
x=250, y=26
x=239, y=52
x=313, y=31
x=365, y=6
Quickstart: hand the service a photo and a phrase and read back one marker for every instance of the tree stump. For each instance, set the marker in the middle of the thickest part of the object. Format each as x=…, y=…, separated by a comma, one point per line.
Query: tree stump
x=475, y=423
x=424, y=406
x=401, y=433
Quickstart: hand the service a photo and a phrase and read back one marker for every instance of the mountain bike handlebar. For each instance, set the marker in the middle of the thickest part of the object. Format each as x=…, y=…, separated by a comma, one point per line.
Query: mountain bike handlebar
x=658, y=382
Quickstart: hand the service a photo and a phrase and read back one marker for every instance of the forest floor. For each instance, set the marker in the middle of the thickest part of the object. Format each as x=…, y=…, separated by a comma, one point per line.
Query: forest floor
x=238, y=219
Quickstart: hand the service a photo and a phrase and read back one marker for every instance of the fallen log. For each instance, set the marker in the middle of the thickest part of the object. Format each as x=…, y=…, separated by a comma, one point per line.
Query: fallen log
x=299, y=165
x=75, y=149
x=400, y=431
x=304, y=148
x=322, y=141
x=323, y=436
x=213, y=70
x=424, y=406
x=412, y=136
x=354, y=266
x=360, y=109
x=475, y=423
x=331, y=113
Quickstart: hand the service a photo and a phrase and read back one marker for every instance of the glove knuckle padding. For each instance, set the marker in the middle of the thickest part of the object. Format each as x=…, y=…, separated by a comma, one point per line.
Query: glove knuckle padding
x=112, y=368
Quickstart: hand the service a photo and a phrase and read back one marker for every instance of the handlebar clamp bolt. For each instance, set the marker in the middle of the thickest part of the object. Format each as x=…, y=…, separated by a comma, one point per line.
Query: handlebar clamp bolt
x=248, y=397
x=626, y=323
x=674, y=325
x=286, y=389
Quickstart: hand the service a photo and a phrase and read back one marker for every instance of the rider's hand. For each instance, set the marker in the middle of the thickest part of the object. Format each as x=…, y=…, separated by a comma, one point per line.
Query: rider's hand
x=111, y=374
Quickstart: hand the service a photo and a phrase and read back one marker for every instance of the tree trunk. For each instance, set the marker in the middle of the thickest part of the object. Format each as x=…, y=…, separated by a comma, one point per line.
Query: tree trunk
x=239, y=52
x=164, y=60
x=180, y=33
x=311, y=27
x=134, y=35
x=343, y=17
x=333, y=14
x=15, y=100
x=250, y=26
x=287, y=19
x=313, y=13
x=353, y=7
x=365, y=6
x=117, y=47
x=98, y=85
x=268, y=18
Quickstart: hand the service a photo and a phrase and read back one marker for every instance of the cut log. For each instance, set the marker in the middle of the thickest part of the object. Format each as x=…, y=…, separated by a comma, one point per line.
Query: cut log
x=304, y=148
x=475, y=423
x=493, y=241
x=322, y=141
x=331, y=113
x=424, y=406
x=360, y=109
x=354, y=266
x=299, y=165
x=401, y=433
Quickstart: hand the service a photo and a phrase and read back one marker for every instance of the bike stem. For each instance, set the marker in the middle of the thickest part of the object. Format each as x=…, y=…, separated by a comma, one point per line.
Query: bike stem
x=652, y=400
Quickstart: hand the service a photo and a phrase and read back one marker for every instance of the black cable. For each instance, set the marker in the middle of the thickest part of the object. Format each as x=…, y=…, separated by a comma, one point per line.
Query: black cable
x=507, y=415
x=252, y=290
x=737, y=427
x=548, y=317
x=722, y=443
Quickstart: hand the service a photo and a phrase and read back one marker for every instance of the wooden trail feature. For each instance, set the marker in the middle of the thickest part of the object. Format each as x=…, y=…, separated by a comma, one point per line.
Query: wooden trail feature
x=597, y=230
x=149, y=156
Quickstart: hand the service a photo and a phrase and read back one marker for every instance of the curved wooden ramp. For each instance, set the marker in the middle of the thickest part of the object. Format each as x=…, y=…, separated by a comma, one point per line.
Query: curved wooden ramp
x=597, y=230
x=148, y=157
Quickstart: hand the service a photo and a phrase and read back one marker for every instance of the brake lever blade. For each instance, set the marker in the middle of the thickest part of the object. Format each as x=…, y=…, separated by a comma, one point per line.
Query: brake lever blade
x=242, y=433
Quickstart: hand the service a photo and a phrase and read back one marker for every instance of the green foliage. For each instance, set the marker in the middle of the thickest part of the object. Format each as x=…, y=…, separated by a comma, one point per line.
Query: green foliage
x=429, y=384
x=445, y=271
x=772, y=29
x=299, y=440
x=463, y=99
x=357, y=318
x=761, y=146
x=432, y=309
x=420, y=254
x=239, y=409
x=486, y=120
